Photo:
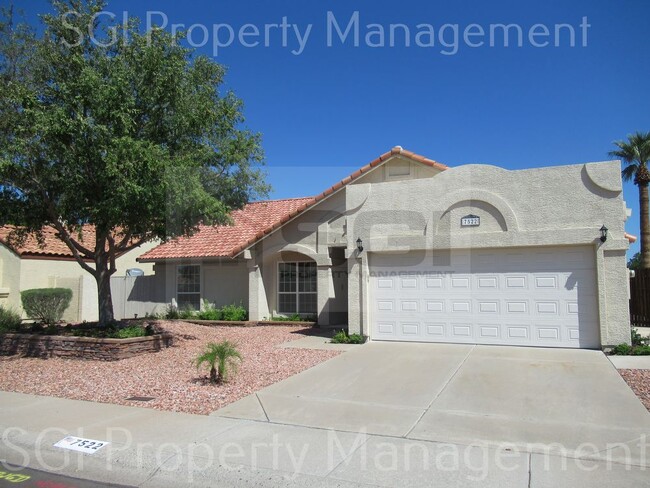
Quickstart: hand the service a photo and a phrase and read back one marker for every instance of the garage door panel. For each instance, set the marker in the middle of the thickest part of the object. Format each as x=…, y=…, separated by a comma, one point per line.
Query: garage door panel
x=518, y=297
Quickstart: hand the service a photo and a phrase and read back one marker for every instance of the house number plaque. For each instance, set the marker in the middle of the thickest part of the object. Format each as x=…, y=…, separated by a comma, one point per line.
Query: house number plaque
x=470, y=221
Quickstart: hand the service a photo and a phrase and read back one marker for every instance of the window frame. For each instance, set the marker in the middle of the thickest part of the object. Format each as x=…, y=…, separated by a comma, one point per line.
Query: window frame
x=199, y=293
x=297, y=293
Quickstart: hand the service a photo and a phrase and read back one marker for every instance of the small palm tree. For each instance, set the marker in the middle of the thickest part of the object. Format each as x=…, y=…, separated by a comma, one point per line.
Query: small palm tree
x=635, y=153
x=221, y=358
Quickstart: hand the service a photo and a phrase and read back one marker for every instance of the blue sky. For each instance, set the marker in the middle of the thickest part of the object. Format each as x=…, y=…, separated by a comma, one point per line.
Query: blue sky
x=331, y=109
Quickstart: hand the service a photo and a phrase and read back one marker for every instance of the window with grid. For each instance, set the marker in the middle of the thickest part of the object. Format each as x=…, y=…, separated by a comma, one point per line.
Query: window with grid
x=188, y=286
x=297, y=288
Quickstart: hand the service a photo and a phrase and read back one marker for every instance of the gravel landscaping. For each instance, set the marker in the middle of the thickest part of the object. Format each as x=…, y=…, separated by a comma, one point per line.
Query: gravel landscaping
x=639, y=381
x=169, y=376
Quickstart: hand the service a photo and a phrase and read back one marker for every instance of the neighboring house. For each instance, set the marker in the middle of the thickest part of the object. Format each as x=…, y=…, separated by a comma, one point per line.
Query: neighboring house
x=32, y=265
x=406, y=249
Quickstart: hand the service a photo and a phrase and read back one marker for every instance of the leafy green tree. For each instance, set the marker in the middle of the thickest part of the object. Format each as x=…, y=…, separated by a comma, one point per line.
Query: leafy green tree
x=635, y=153
x=635, y=261
x=124, y=130
x=221, y=358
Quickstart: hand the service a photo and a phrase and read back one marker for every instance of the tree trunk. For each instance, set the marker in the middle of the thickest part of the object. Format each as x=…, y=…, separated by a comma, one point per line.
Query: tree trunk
x=213, y=375
x=105, y=299
x=645, y=225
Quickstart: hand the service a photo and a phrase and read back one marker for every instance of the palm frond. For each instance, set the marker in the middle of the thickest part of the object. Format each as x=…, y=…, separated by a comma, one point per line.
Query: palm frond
x=634, y=152
x=629, y=171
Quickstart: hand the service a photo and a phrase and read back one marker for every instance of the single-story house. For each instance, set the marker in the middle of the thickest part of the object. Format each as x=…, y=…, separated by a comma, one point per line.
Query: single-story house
x=50, y=264
x=407, y=249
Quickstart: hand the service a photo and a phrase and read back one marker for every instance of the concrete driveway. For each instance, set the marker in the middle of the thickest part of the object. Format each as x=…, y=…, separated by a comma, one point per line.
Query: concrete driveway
x=571, y=402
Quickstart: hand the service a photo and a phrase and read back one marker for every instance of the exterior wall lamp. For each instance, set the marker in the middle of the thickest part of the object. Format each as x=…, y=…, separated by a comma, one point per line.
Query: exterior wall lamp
x=359, y=245
x=603, y=234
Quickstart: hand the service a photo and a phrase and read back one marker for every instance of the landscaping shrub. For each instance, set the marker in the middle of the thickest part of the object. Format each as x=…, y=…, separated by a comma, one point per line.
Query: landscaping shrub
x=234, y=312
x=209, y=312
x=640, y=346
x=46, y=305
x=639, y=340
x=131, y=331
x=293, y=318
x=221, y=358
x=342, y=337
x=186, y=312
x=622, y=350
x=171, y=312
x=641, y=351
x=114, y=331
x=9, y=320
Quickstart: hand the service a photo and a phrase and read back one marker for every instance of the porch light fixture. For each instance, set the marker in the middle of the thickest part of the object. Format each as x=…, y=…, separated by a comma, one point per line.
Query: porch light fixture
x=603, y=234
x=359, y=245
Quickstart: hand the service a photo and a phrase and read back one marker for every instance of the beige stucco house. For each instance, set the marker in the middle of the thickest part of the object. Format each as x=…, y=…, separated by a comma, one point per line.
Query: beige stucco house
x=51, y=264
x=407, y=249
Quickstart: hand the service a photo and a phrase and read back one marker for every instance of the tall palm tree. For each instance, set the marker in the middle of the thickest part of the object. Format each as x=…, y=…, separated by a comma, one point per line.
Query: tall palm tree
x=635, y=153
x=221, y=359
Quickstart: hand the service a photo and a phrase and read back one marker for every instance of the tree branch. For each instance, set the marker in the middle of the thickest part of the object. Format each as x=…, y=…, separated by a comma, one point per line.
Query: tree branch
x=65, y=237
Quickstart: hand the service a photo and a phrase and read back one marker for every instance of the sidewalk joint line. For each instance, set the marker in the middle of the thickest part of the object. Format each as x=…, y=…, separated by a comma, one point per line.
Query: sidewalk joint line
x=367, y=437
x=155, y=471
x=453, y=375
x=263, y=409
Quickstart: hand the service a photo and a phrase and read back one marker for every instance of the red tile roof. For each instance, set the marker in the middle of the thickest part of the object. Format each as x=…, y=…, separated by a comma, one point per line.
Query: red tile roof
x=216, y=241
x=397, y=150
x=52, y=245
x=259, y=219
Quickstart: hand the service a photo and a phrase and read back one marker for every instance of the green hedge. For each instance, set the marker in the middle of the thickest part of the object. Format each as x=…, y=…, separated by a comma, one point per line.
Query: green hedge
x=46, y=305
x=9, y=320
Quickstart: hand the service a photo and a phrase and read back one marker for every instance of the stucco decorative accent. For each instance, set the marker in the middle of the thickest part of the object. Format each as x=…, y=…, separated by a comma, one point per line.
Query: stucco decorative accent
x=470, y=195
x=605, y=176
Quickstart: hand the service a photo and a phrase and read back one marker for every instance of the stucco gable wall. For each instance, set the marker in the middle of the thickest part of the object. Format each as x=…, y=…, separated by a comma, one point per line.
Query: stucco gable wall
x=398, y=168
x=526, y=207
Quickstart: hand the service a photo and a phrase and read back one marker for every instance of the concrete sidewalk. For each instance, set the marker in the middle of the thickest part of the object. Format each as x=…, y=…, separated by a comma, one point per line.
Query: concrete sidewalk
x=150, y=448
x=158, y=449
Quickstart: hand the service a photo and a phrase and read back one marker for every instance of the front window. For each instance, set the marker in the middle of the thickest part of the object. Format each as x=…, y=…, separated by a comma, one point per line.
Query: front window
x=297, y=288
x=188, y=286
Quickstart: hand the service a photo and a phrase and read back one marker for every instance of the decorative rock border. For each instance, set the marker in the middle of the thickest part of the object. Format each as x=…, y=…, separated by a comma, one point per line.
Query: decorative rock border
x=246, y=323
x=36, y=345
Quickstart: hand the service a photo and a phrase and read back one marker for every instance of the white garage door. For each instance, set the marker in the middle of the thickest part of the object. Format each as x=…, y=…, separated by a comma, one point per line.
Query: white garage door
x=531, y=297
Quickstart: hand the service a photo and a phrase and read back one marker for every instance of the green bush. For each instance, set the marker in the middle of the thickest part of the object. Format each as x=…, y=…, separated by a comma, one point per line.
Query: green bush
x=622, y=350
x=114, y=331
x=171, y=312
x=221, y=358
x=131, y=331
x=355, y=339
x=639, y=340
x=187, y=312
x=209, y=312
x=234, y=312
x=342, y=337
x=9, y=320
x=46, y=305
x=293, y=318
x=641, y=351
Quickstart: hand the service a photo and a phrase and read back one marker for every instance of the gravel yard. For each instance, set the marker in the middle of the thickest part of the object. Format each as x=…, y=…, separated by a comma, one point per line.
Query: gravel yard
x=170, y=375
x=639, y=381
